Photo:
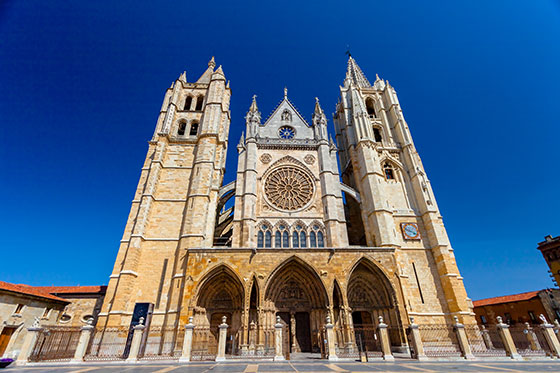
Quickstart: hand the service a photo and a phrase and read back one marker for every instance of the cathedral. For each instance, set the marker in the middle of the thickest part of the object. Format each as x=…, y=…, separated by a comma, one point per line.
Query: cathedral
x=317, y=224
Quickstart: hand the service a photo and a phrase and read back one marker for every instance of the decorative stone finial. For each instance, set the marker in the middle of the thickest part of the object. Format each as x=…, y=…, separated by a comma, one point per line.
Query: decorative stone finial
x=191, y=319
x=278, y=321
x=499, y=318
x=212, y=63
x=328, y=319
x=285, y=92
x=36, y=322
x=141, y=321
x=412, y=320
x=224, y=319
x=456, y=319
x=543, y=319
x=380, y=318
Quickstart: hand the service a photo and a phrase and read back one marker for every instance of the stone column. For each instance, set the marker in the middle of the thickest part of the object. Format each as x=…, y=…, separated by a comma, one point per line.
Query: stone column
x=222, y=340
x=463, y=340
x=29, y=343
x=136, y=341
x=532, y=337
x=252, y=336
x=384, y=340
x=331, y=346
x=551, y=339
x=278, y=342
x=486, y=338
x=187, y=342
x=557, y=329
x=505, y=335
x=83, y=342
x=416, y=340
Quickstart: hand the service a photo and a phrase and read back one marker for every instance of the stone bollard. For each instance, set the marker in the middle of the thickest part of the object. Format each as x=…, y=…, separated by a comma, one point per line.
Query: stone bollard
x=463, y=340
x=505, y=335
x=551, y=339
x=187, y=342
x=278, y=342
x=557, y=329
x=384, y=340
x=29, y=343
x=136, y=341
x=221, y=356
x=83, y=342
x=330, y=340
x=416, y=340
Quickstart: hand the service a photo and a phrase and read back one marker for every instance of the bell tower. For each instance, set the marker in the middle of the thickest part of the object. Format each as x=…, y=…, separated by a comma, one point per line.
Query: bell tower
x=174, y=207
x=398, y=208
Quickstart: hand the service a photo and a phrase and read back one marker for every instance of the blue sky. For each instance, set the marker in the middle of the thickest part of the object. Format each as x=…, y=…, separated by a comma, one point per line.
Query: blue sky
x=81, y=84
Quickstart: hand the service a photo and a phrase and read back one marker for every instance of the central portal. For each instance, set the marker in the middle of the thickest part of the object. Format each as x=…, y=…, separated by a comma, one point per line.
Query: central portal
x=296, y=294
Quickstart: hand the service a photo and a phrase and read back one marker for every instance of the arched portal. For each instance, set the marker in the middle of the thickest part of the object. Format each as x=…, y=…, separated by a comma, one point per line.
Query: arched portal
x=296, y=294
x=370, y=295
x=220, y=294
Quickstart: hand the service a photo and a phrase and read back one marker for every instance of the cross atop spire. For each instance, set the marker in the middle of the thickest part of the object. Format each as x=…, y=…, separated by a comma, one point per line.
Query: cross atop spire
x=355, y=75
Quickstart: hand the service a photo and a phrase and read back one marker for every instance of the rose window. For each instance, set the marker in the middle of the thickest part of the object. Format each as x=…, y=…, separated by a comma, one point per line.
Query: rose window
x=288, y=188
x=286, y=132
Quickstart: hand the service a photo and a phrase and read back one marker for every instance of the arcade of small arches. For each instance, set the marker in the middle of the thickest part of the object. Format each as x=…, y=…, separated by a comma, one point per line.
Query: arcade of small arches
x=182, y=128
x=298, y=235
x=296, y=293
x=191, y=101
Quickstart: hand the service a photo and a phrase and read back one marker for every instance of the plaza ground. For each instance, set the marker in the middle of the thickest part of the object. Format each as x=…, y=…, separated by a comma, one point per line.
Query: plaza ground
x=301, y=366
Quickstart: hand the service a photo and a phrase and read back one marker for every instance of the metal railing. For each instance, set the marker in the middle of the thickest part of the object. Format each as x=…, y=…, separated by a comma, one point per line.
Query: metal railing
x=485, y=342
x=56, y=343
x=361, y=340
x=529, y=341
x=163, y=342
x=205, y=343
x=440, y=340
x=109, y=343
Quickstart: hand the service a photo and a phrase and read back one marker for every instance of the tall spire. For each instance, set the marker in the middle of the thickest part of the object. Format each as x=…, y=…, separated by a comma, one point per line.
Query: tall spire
x=355, y=75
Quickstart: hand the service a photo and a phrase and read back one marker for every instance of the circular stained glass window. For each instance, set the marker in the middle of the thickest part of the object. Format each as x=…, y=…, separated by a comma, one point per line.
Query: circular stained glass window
x=286, y=132
x=288, y=188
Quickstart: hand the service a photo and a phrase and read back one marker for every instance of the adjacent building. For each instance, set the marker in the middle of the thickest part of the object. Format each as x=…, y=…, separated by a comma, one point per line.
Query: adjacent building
x=520, y=308
x=550, y=249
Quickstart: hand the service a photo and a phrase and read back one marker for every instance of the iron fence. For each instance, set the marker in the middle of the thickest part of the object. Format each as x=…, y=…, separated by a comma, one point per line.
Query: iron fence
x=205, y=343
x=527, y=341
x=361, y=340
x=56, y=343
x=261, y=345
x=163, y=342
x=485, y=342
x=440, y=340
x=109, y=343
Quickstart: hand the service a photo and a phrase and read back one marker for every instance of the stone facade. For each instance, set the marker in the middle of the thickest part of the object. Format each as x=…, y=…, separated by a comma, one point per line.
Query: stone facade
x=550, y=249
x=304, y=238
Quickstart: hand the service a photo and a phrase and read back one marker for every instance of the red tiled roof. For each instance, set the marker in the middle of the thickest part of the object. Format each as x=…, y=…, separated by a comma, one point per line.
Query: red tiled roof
x=73, y=289
x=29, y=290
x=506, y=299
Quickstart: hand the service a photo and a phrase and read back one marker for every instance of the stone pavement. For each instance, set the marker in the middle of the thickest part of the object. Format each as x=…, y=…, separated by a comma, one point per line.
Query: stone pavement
x=300, y=366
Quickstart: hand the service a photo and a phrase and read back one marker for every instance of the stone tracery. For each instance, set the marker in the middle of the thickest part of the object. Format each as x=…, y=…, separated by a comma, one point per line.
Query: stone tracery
x=289, y=188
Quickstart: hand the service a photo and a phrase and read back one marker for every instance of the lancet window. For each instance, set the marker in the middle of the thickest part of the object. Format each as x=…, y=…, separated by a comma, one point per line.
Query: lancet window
x=188, y=103
x=389, y=171
x=182, y=128
x=264, y=236
x=281, y=236
x=199, y=101
x=194, y=129
x=316, y=236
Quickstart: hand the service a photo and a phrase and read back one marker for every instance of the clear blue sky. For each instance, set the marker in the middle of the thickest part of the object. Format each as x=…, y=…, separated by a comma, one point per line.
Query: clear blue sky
x=81, y=84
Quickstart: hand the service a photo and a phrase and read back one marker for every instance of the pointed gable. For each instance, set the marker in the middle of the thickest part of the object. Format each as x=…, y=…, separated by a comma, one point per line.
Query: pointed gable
x=286, y=114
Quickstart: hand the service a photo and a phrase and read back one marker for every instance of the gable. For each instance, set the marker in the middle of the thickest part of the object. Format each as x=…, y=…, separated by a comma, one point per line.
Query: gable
x=286, y=114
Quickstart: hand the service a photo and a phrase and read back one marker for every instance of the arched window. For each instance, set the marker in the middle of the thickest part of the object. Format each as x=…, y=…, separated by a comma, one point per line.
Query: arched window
x=260, y=239
x=295, y=239
x=199, y=101
x=268, y=239
x=181, y=129
x=389, y=172
x=377, y=134
x=188, y=103
x=194, y=129
x=285, y=239
x=278, y=239
x=302, y=239
x=281, y=236
x=264, y=235
x=320, y=240
x=312, y=239
x=370, y=107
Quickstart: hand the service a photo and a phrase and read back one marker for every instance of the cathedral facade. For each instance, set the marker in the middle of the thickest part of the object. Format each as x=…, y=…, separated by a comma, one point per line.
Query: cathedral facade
x=311, y=227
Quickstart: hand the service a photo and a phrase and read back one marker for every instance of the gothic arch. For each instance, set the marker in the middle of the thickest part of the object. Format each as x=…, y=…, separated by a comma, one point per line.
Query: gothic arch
x=220, y=278
x=295, y=271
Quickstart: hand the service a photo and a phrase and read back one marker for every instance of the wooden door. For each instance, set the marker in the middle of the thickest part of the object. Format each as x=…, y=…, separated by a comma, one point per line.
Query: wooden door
x=303, y=331
x=5, y=338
